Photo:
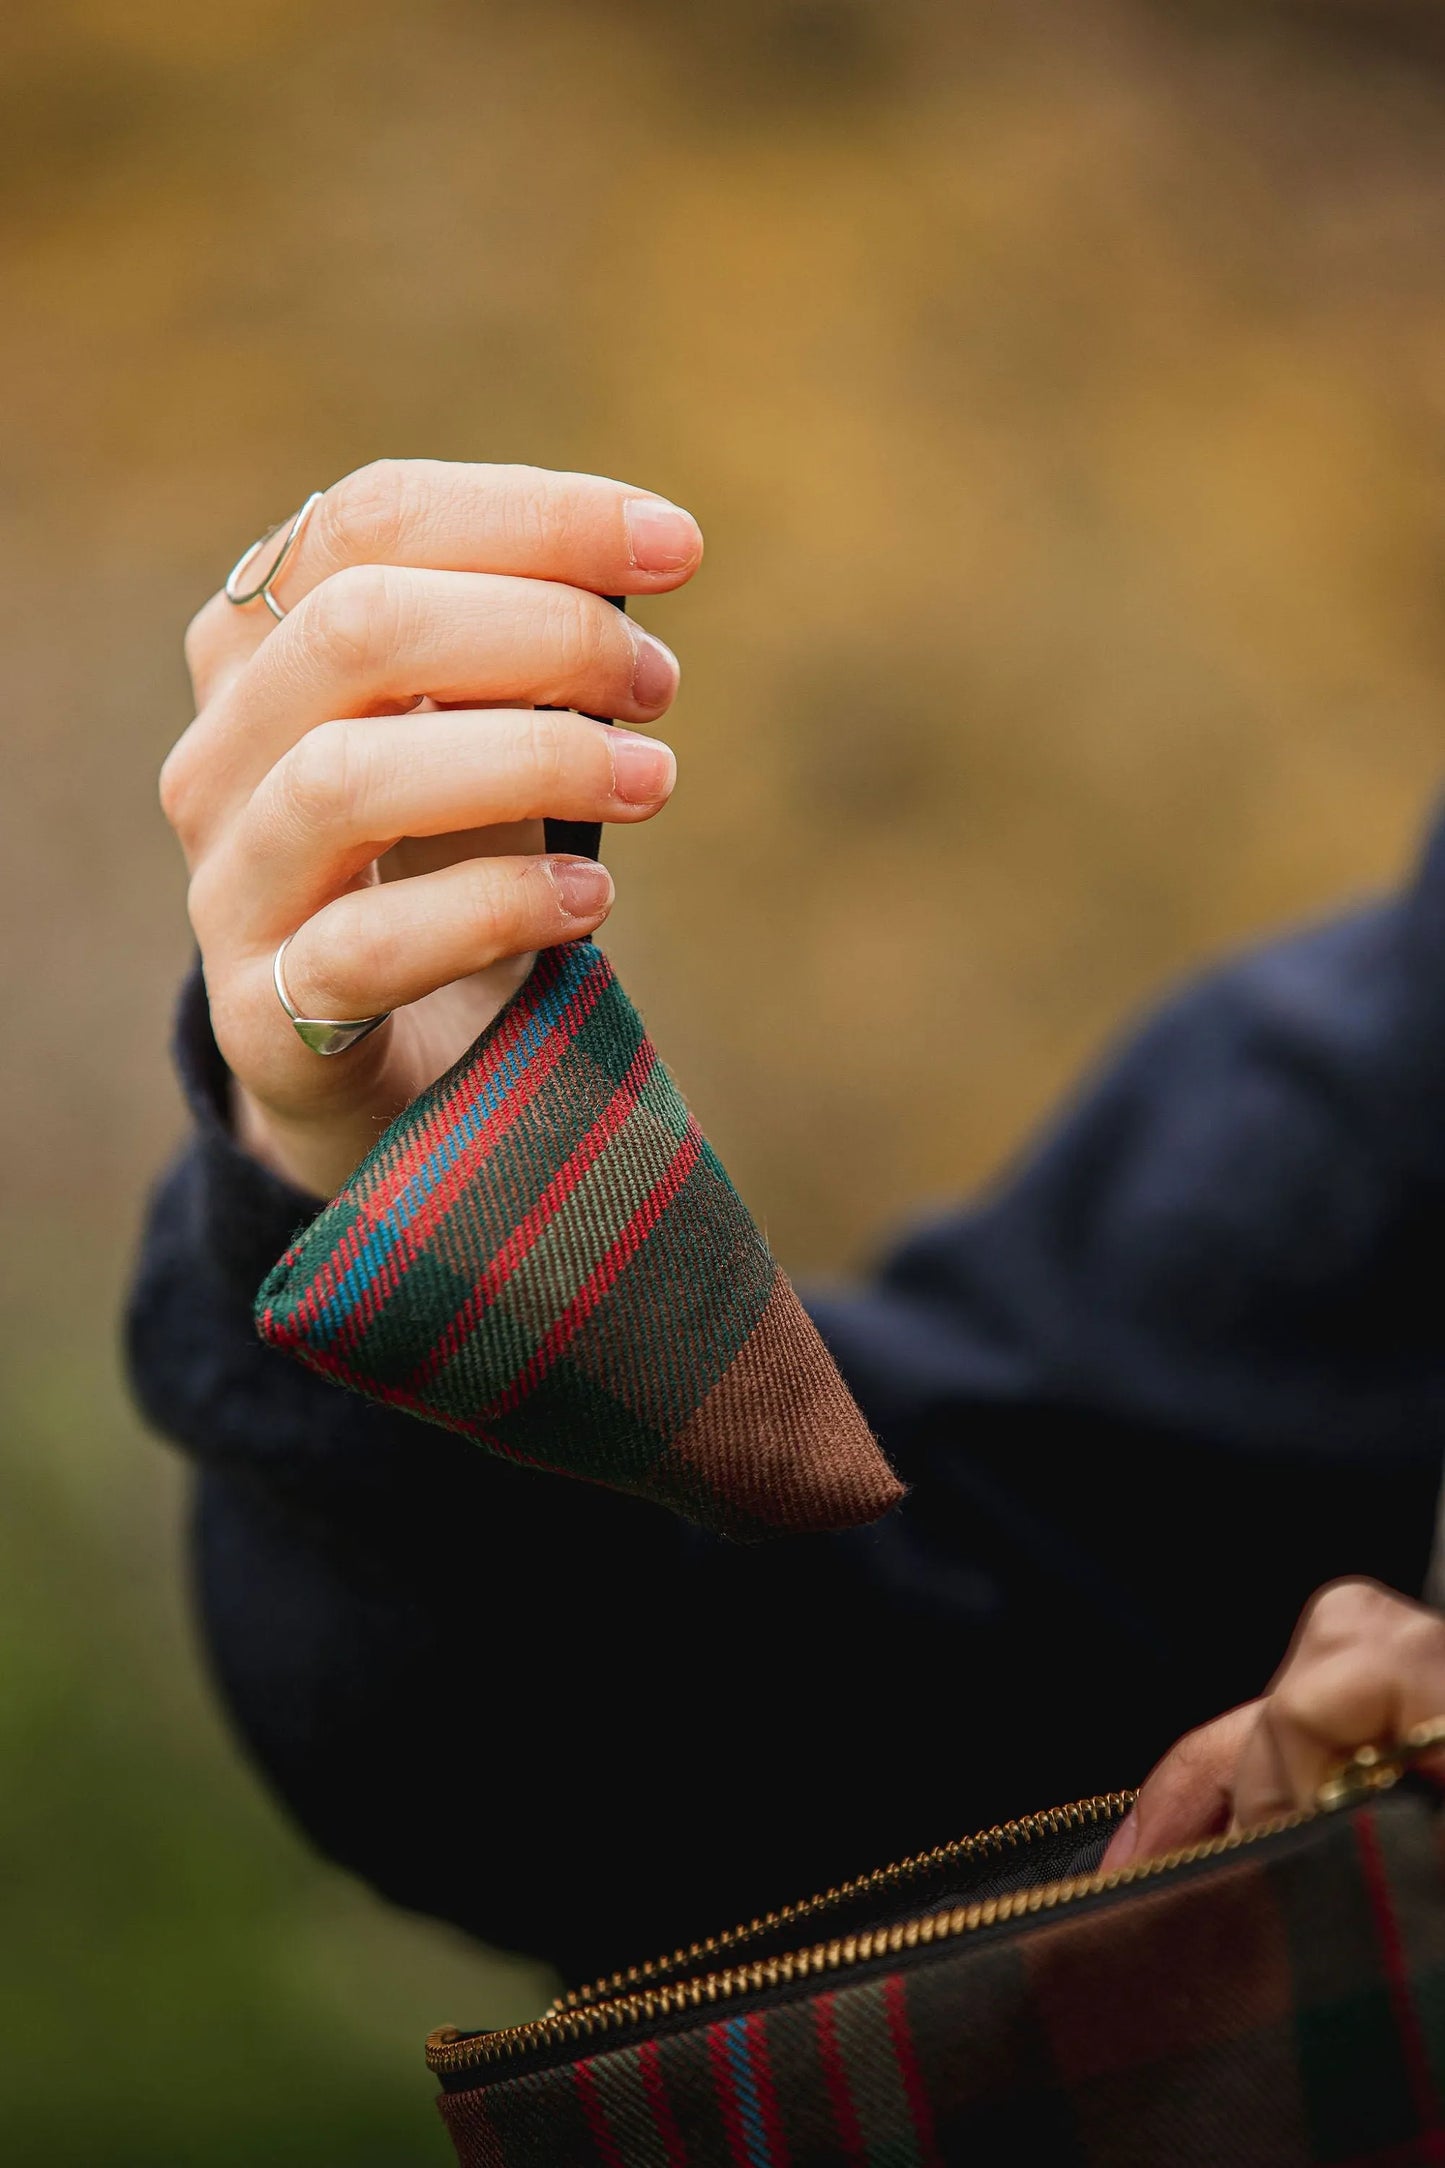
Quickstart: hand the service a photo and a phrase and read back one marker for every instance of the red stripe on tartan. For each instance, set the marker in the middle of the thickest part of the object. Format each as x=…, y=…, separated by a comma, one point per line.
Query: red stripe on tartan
x=845, y=2115
x=727, y=2099
x=756, y=2029
x=585, y=2086
x=895, y=2002
x=525, y=1234
x=420, y=1146
x=1402, y=2001
x=649, y=2062
x=603, y=1275
x=307, y=1307
x=511, y=1028
x=429, y=1132
x=374, y=1206
x=328, y=1365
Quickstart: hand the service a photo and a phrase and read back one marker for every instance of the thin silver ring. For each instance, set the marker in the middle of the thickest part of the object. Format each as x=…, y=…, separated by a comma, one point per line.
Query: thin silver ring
x=323, y=1034
x=261, y=592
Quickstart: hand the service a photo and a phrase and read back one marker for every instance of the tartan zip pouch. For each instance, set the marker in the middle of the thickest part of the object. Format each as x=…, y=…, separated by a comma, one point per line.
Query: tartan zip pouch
x=1260, y=2001
x=543, y=1253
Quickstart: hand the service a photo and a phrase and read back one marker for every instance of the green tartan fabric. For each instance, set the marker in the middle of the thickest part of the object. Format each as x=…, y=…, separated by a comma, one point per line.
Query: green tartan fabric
x=544, y=1254
x=1281, y=2004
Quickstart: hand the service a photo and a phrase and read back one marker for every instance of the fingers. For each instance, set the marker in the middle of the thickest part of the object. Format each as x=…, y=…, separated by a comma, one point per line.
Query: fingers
x=349, y=790
x=1365, y=1666
x=579, y=529
x=531, y=521
x=392, y=943
x=375, y=638
x=1188, y=1797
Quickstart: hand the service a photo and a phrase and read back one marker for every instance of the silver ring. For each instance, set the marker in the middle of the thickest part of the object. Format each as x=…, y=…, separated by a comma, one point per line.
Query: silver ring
x=323, y=1034
x=261, y=592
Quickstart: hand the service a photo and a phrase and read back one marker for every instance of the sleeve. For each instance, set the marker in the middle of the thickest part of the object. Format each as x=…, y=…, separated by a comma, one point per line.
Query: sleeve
x=1179, y=1368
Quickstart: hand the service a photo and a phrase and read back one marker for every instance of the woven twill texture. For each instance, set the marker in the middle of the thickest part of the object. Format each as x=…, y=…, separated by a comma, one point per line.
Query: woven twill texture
x=1285, y=2006
x=545, y=1254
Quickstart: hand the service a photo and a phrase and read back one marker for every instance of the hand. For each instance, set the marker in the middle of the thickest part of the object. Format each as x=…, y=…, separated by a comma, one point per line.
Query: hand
x=370, y=775
x=1363, y=1667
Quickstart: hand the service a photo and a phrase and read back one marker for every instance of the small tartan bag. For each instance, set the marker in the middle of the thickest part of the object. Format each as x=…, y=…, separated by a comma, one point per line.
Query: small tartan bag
x=544, y=1253
x=1256, y=2002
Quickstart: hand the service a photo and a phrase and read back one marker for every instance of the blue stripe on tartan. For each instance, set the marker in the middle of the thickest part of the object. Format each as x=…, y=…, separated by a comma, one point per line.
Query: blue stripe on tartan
x=745, y=2088
x=459, y=1132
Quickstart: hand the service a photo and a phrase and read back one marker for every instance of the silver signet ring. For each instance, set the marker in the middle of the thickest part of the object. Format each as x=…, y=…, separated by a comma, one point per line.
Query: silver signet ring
x=323, y=1034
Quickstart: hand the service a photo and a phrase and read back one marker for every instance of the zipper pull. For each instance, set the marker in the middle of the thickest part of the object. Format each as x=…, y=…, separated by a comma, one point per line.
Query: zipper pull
x=1372, y=1769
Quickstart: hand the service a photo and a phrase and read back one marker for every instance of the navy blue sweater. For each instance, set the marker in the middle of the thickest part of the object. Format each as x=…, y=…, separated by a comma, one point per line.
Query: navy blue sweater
x=1183, y=1366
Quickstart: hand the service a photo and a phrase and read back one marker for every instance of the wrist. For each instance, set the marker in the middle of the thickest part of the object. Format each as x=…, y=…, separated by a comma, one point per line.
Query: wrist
x=246, y=1209
x=308, y=1158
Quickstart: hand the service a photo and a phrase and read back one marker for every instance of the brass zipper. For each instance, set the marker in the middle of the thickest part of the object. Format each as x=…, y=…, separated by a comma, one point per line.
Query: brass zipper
x=644, y=1992
x=447, y=2050
x=964, y=1852
x=585, y=2017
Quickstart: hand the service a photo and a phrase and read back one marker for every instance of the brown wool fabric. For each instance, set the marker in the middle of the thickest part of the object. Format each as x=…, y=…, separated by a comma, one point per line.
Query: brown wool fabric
x=780, y=1431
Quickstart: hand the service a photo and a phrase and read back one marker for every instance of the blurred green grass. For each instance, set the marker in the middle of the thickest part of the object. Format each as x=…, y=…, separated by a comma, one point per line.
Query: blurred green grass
x=179, y=1981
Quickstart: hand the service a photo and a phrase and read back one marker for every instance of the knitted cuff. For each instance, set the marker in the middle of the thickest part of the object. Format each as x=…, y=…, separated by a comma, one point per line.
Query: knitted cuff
x=543, y=1253
x=244, y=1212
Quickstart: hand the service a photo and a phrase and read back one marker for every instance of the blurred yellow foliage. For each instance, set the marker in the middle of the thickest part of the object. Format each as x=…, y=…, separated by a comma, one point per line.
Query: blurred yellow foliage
x=1058, y=386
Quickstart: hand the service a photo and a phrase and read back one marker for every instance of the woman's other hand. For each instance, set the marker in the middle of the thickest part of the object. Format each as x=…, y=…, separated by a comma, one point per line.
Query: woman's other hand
x=371, y=774
x=1365, y=1665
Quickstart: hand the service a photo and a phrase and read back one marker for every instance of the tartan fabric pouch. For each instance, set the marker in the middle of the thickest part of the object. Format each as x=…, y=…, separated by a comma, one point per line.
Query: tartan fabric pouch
x=1259, y=2002
x=543, y=1253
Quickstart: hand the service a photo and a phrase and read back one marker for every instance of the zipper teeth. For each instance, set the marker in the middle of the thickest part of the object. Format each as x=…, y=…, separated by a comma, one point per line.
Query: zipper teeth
x=1005, y=1837
x=446, y=2052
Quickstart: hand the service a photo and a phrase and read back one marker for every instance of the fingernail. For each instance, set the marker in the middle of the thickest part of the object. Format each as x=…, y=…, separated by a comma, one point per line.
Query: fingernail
x=583, y=887
x=661, y=537
x=654, y=671
x=1122, y=1845
x=643, y=771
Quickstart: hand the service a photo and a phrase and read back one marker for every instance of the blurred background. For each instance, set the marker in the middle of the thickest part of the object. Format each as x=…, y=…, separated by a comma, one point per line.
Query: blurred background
x=1060, y=386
